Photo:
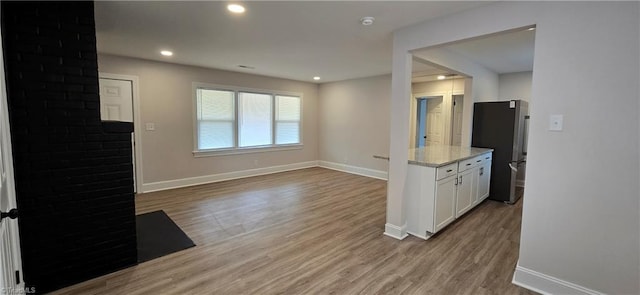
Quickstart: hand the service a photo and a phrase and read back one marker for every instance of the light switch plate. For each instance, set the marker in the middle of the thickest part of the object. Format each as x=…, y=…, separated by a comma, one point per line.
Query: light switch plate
x=150, y=126
x=555, y=122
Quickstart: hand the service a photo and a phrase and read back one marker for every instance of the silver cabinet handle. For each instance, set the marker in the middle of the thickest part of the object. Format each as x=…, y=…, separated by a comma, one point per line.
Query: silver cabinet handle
x=449, y=170
x=481, y=170
x=513, y=168
x=478, y=161
x=460, y=180
x=456, y=181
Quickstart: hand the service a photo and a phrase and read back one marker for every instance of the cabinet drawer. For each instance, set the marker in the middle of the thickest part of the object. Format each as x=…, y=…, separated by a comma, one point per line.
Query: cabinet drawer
x=446, y=171
x=469, y=163
x=486, y=157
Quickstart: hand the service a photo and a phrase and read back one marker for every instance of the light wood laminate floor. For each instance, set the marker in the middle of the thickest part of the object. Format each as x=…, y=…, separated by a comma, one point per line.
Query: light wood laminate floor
x=315, y=231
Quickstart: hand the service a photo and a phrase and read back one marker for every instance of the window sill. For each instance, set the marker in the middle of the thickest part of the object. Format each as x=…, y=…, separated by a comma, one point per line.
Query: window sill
x=248, y=150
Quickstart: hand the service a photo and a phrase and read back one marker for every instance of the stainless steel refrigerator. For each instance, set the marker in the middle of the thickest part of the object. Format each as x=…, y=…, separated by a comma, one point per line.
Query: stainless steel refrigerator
x=502, y=126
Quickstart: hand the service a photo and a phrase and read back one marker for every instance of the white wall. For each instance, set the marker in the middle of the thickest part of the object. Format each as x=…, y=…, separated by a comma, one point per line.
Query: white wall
x=354, y=123
x=439, y=86
x=166, y=100
x=515, y=86
x=581, y=223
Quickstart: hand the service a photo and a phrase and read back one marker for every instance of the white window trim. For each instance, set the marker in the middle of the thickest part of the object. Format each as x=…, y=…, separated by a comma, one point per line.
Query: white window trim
x=197, y=153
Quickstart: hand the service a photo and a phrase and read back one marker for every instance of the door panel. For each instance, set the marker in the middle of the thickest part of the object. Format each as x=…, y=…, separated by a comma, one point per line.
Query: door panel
x=445, y=203
x=10, y=259
x=457, y=120
x=421, y=134
x=434, y=127
x=116, y=104
x=465, y=192
x=116, y=100
x=483, y=183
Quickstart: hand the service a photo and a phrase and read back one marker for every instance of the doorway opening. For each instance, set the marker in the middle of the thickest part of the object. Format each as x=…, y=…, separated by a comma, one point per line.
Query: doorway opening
x=456, y=120
x=436, y=105
x=429, y=127
x=119, y=101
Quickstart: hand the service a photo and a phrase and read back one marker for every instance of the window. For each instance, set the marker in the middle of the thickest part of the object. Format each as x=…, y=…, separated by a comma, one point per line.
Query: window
x=254, y=122
x=287, y=119
x=235, y=120
x=216, y=117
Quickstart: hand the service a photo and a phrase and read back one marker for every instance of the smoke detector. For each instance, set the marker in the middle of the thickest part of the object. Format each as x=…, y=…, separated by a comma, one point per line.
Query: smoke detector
x=367, y=20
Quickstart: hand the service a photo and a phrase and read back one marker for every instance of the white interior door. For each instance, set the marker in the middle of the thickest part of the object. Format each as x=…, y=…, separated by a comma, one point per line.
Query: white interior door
x=421, y=123
x=435, y=126
x=116, y=100
x=10, y=257
x=116, y=104
x=458, y=102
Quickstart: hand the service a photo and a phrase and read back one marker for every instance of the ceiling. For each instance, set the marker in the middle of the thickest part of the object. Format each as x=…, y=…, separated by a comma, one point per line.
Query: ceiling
x=423, y=72
x=507, y=52
x=293, y=40
x=502, y=53
x=286, y=39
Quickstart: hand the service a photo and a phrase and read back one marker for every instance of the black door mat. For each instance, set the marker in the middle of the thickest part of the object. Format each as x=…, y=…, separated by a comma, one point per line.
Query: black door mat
x=158, y=236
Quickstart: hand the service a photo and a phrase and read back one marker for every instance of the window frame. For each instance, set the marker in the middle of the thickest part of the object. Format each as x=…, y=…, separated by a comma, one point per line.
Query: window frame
x=236, y=149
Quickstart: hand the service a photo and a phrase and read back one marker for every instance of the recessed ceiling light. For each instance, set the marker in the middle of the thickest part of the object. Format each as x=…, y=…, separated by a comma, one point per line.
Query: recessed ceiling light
x=367, y=20
x=166, y=53
x=316, y=78
x=441, y=77
x=235, y=8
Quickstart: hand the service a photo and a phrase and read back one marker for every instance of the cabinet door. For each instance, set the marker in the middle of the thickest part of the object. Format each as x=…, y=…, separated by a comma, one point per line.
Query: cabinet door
x=475, y=187
x=445, y=202
x=484, y=181
x=465, y=192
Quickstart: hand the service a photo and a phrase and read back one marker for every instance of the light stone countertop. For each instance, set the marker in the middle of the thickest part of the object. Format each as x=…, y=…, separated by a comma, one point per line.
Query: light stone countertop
x=440, y=155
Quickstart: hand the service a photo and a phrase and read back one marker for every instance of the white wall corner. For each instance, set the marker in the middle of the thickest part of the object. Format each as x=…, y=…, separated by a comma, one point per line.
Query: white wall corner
x=396, y=232
x=191, y=181
x=545, y=284
x=378, y=174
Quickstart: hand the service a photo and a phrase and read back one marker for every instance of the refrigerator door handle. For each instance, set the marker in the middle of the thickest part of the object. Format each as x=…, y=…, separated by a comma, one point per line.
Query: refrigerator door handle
x=513, y=168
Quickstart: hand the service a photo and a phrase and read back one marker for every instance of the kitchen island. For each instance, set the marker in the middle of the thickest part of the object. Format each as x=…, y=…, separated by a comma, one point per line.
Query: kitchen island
x=443, y=183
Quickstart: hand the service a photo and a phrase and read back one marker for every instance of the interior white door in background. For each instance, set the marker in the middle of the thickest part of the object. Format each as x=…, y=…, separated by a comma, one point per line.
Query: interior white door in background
x=116, y=100
x=456, y=138
x=116, y=104
x=10, y=257
x=421, y=122
x=435, y=128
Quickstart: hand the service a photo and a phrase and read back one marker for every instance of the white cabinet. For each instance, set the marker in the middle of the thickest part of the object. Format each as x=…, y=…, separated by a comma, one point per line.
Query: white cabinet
x=445, y=202
x=465, y=189
x=484, y=179
x=437, y=196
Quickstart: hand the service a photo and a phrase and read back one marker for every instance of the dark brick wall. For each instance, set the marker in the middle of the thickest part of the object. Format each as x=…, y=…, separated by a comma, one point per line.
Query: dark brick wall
x=74, y=177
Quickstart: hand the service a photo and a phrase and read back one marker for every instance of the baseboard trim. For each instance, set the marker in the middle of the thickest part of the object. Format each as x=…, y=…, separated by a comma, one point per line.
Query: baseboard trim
x=191, y=181
x=354, y=170
x=395, y=232
x=545, y=284
x=424, y=237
